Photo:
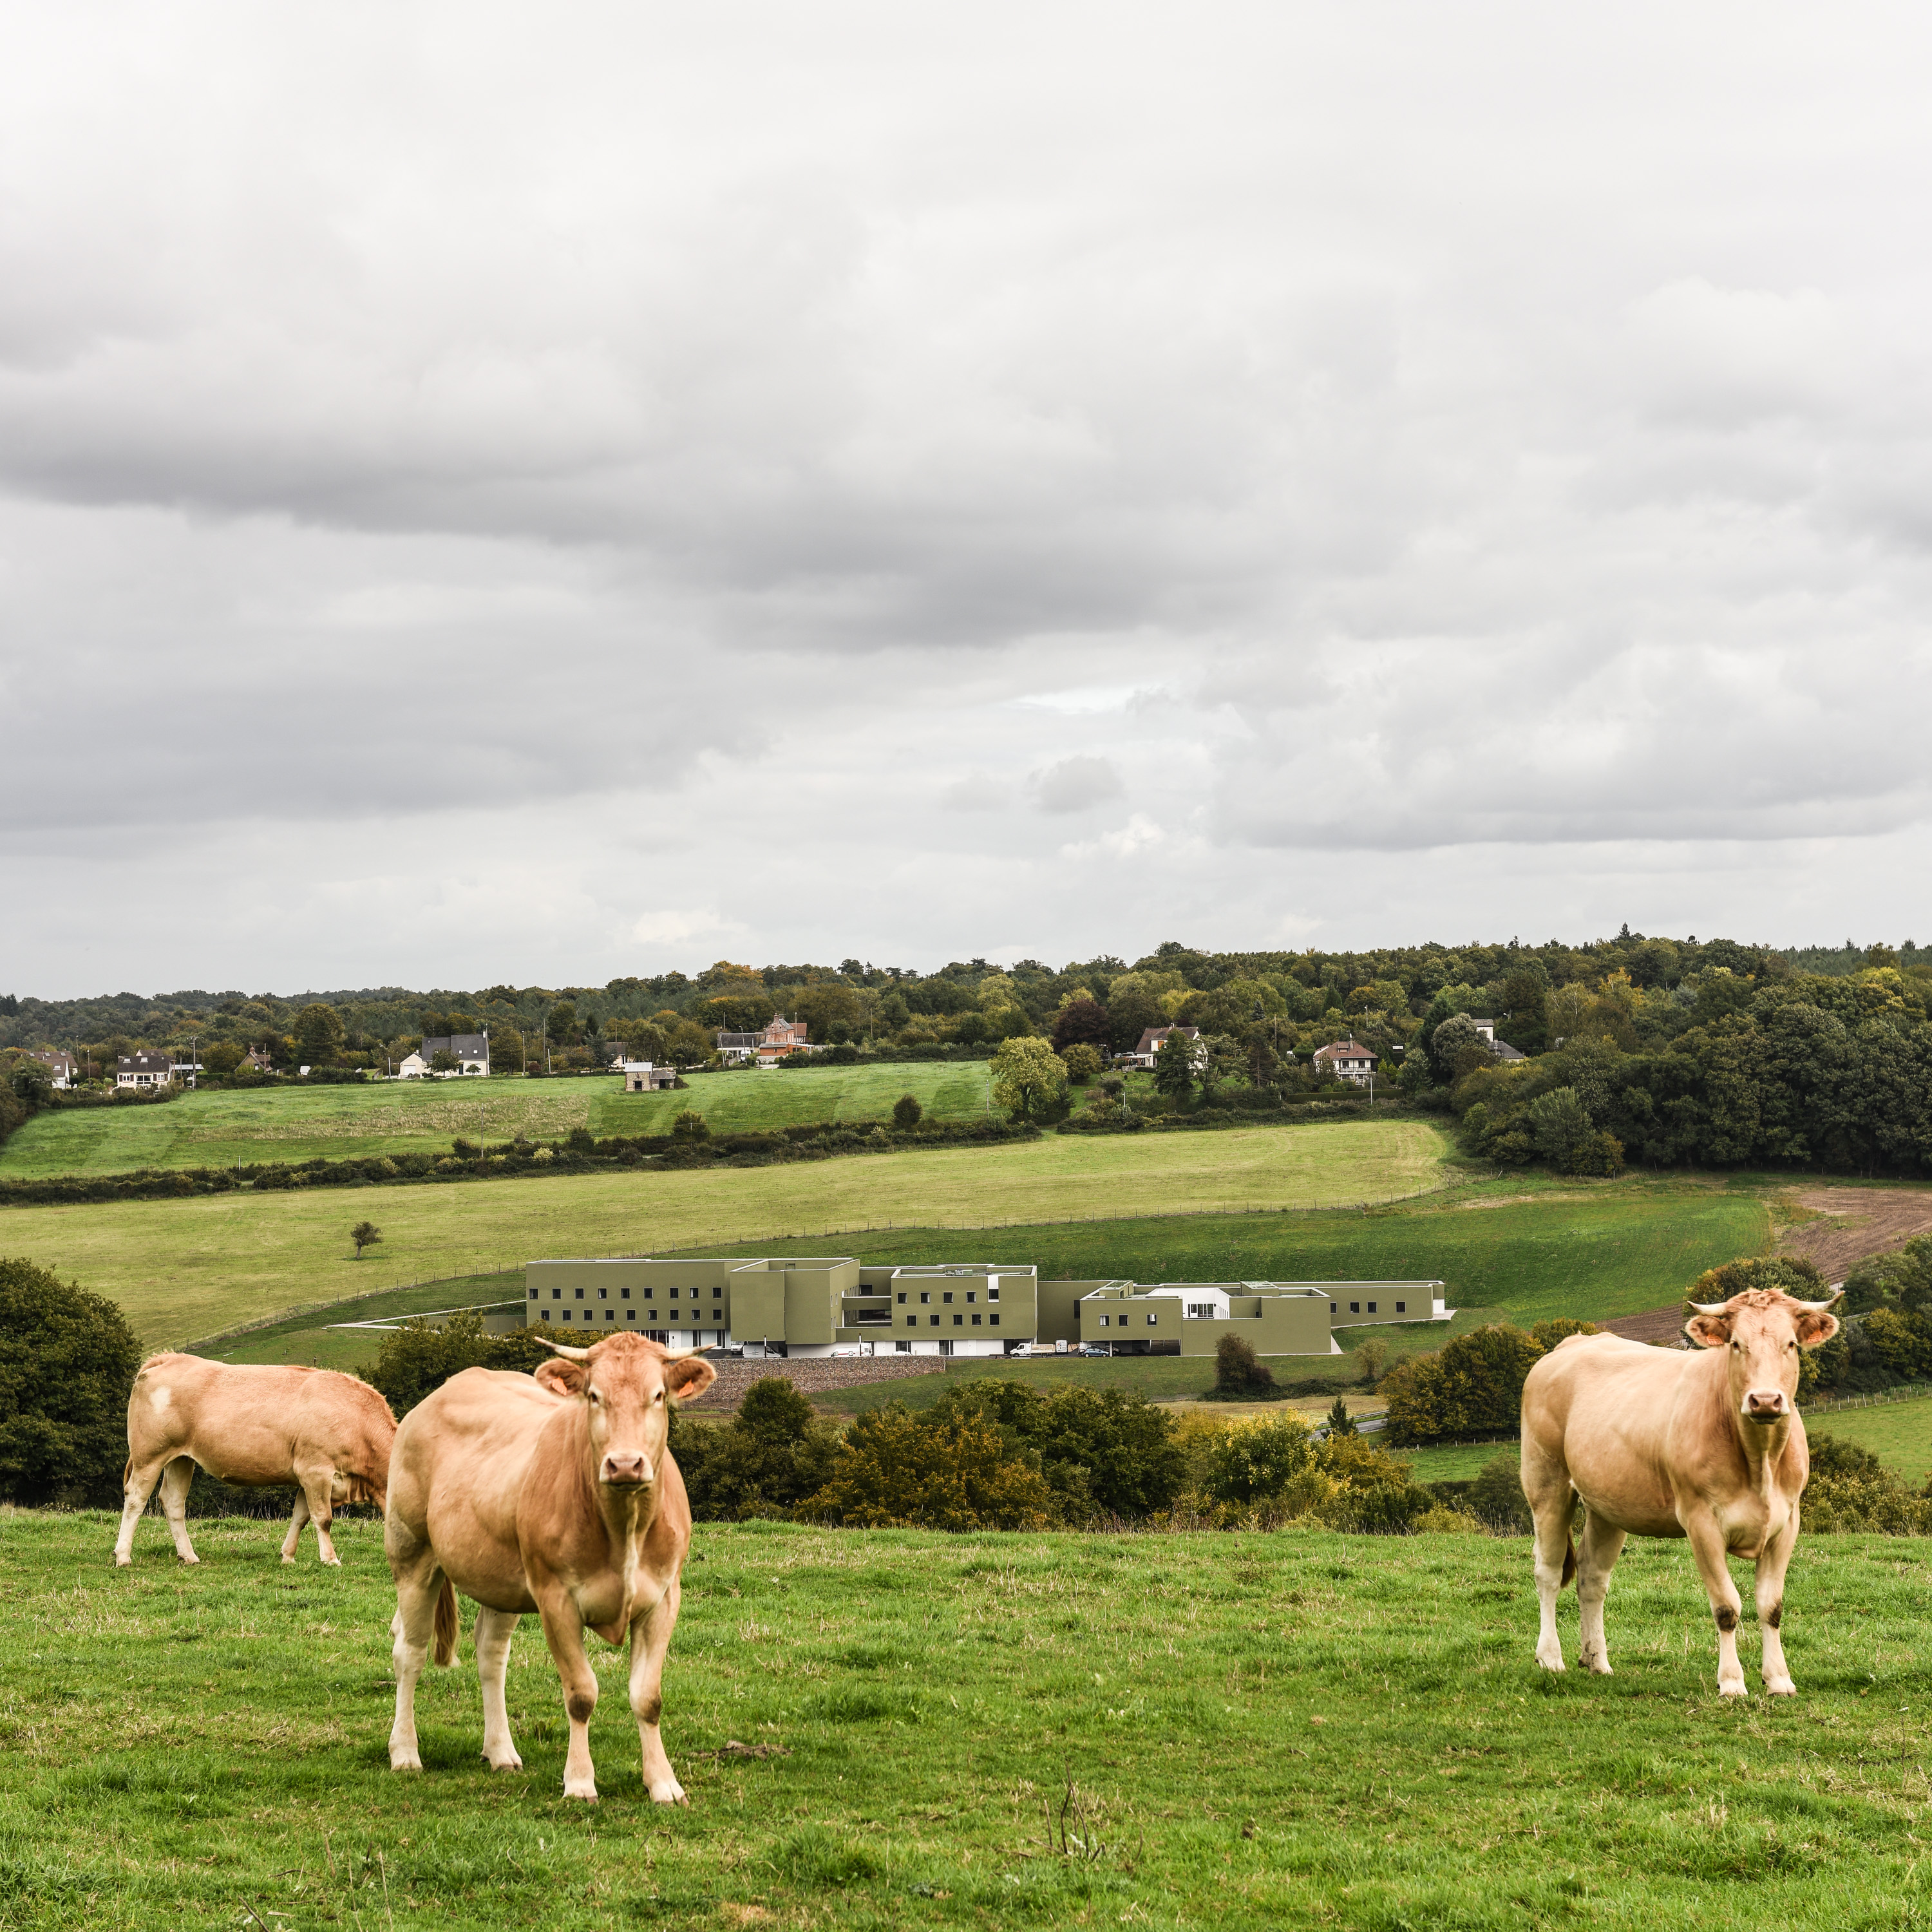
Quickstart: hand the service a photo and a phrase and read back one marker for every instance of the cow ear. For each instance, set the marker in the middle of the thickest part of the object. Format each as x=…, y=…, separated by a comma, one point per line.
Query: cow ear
x=687, y=1379
x=562, y=1377
x=1709, y=1331
x=1815, y=1326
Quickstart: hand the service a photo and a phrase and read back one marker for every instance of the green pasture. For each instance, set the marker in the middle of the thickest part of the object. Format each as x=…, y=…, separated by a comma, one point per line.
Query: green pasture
x=208, y=1129
x=183, y=1269
x=1898, y=1432
x=1300, y=1729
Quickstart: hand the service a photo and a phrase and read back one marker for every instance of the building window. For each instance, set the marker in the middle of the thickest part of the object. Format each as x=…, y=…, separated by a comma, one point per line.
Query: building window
x=934, y=1320
x=546, y=1314
x=970, y=1296
x=1355, y=1308
x=603, y=1294
x=630, y=1315
x=945, y=1347
x=902, y=1301
x=1153, y=1321
x=959, y=1320
x=610, y=1315
x=1334, y=1308
x=992, y=1294
x=946, y=1296
x=673, y=1295
x=533, y=1294
x=924, y=1299
x=903, y=1347
x=1402, y=1308
x=1372, y=1308
x=627, y=1295
x=580, y=1294
x=566, y=1315
x=557, y=1294
x=912, y=1321
x=1105, y=1319
x=975, y=1320
x=993, y=1321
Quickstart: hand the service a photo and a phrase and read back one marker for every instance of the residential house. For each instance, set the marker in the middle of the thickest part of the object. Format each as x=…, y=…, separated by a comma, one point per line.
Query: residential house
x=413, y=1066
x=768, y=1047
x=60, y=1065
x=1143, y=1055
x=143, y=1071
x=470, y=1051
x=257, y=1057
x=1347, y=1058
x=184, y=1071
x=641, y=1077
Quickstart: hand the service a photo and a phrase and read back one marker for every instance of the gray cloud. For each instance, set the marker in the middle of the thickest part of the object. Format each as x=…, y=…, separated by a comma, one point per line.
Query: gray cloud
x=508, y=492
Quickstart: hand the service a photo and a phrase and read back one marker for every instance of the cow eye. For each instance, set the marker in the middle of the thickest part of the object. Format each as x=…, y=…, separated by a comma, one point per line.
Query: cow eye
x=593, y=1395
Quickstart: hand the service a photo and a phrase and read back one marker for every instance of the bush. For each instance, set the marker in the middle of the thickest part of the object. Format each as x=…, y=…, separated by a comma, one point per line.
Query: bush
x=690, y=1126
x=1082, y=1062
x=1496, y=1498
x=895, y=1470
x=1473, y=1387
x=1238, y=1370
x=417, y=1360
x=1261, y=1460
x=907, y=1112
x=67, y=1360
x=1852, y=1491
x=772, y=1456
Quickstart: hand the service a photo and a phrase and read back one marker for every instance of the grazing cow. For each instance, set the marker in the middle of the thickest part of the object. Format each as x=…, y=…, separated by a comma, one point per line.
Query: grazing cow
x=556, y=1493
x=259, y=1428
x=1706, y=1444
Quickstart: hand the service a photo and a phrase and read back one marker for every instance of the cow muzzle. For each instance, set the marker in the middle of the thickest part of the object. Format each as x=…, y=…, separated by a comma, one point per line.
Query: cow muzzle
x=625, y=1469
x=1766, y=1406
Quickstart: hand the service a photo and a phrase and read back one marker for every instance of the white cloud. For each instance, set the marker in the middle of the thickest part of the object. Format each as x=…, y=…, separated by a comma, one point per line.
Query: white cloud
x=497, y=490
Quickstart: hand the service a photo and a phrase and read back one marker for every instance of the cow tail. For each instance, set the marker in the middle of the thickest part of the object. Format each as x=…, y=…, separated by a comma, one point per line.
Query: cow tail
x=445, y=1624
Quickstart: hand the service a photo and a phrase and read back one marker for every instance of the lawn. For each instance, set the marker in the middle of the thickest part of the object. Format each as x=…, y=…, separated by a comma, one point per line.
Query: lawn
x=188, y=1268
x=219, y=1130
x=1898, y=1432
x=1240, y=1731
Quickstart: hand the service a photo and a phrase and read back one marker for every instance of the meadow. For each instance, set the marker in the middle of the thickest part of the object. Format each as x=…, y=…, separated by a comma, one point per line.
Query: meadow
x=209, y=1129
x=897, y=1729
x=182, y=1269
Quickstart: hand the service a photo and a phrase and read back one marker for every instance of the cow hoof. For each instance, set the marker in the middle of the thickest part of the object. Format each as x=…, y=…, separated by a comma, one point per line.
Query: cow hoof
x=1555, y=1663
x=1780, y=1686
x=588, y=1793
x=288, y=1556
x=669, y=1792
x=1737, y=1690
x=334, y=1562
x=124, y=1562
x=187, y=1559
x=404, y=1760
x=512, y=1762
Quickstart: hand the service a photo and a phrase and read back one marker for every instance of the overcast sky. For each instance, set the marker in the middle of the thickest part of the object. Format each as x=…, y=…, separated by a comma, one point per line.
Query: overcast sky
x=536, y=494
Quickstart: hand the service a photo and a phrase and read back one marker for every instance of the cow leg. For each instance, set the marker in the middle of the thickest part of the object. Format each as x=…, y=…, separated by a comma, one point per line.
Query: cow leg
x=493, y=1631
x=1771, y=1569
x=1707, y=1545
x=317, y=1487
x=135, y=1492
x=650, y=1640
x=1545, y=1483
x=412, y=1626
x=1596, y=1558
x=292, y=1541
x=564, y=1633
x=176, y=1480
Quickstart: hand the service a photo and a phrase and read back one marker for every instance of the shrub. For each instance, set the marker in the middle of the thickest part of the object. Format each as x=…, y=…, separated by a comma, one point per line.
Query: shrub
x=1496, y=1498
x=1900, y=1280
x=364, y=1234
x=1082, y=1062
x=907, y=1112
x=690, y=1126
x=1473, y=1387
x=773, y=1454
x=416, y=1360
x=1260, y=1460
x=1850, y=1490
x=895, y=1470
x=67, y=1360
x=1238, y=1370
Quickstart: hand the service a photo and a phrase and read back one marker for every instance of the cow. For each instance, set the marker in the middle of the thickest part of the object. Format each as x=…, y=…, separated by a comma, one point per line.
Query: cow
x=1705, y=1444
x=556, y=1493
x=258, y=1428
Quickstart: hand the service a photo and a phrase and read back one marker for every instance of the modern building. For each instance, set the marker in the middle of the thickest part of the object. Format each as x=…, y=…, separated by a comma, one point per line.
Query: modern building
x=767, y=1047
x=143, y=1071
x=806, y=1307
x=1143, y=1055
x=1347, y=1058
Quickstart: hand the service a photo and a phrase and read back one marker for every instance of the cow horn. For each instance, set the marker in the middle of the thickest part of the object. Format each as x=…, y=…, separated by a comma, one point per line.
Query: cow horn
x=565, y=1349
x=1837, y=1294
x=1708, y=1307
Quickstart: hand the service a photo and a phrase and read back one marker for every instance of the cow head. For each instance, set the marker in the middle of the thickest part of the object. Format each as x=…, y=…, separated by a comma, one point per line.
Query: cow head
x=1763, y=1331
x=628, y=1386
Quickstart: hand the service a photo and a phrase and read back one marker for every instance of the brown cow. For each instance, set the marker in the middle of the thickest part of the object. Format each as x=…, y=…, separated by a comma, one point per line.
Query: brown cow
x=556, y=1493
x=259, y=1428
x=1706, y=1444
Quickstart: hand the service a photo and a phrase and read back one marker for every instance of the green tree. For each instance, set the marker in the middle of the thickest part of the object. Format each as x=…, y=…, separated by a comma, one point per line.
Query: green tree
x=562, y=1026
x=319, y=1035
x=67, y=1359
x=690, y=1126
x=1173, y=1066
x=1560, y=1123
x=1083, y=1020
x=1028, y=1078
x=1473, y=1387
x=772, y=1455
x=1250, y=1465
x=442, y=1061
x=1238, y=1370
x=415, y=1360
x=1082, y=1062
x=1340, y=1422
x=364, y=1234
x=907, y=1112
x=895, y=1470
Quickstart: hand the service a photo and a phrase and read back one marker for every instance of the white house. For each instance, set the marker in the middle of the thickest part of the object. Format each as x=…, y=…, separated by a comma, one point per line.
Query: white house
x=1143, y=1055
x=641, y=1077
x=143, y=1071
x=768, y=1048
x=415, y=1067
x=470, y=1051
x=1347, y=1058
x=60, y=1064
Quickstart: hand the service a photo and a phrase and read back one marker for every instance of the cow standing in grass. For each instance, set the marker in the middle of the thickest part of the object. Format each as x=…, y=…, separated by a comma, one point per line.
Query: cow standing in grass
x=556, y=1493
x=1706, y=1444
x=257, y=1428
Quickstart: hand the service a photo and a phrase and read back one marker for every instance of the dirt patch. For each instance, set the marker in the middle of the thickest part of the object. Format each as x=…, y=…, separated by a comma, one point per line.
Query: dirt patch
x=1856, y=1222
x=814, y=1377
x=1664, y=1326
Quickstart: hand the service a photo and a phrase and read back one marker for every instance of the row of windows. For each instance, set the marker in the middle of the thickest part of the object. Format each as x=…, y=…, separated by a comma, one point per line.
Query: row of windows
x=1152, y=1320
x=630, y=1315
x=946, y=1295
x=1355, y=1308
x=959, y=1320
x=650, y=1294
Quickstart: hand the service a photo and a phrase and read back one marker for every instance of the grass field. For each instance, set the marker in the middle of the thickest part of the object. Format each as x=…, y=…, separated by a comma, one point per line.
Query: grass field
x=188, y=1268
x=219, y=1130
x=1299, y=1730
